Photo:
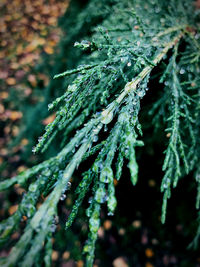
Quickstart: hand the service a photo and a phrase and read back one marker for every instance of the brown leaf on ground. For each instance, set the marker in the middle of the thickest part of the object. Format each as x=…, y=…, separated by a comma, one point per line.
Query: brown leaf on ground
x=13, y=209
x=120, y=262
x=49, y=119
x=197, y=4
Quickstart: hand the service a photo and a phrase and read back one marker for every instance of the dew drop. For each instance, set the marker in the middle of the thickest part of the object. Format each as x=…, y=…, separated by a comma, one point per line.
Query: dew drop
x=50, y=106
x=88, y=212
x=40, y=139
x=166, y=83
x=106, y=117
x=53, y=228
x=94, y=224
x=182, y=71
x=69, y=185
x=95, y=130
x=63, y=196
x=141, y=93
x=157, y=10
x=100, y=195
x=106, y=175
x=98, y=113
x=99, y=126
x=123, y=59
x=142, y=62
x=95, y=138
x=90, y=200
x=100, y=165
x=105, y=198
x=32, y=187
x=198, y=177
x=162, y=20
x=134, y=102
x=126, y=152
x=167, y=183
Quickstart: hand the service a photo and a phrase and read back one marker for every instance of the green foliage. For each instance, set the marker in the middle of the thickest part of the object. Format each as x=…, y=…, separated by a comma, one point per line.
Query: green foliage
x=98, y=117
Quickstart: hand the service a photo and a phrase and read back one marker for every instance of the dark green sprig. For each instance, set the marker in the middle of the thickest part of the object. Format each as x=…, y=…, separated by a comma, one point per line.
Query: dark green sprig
x=104, y=93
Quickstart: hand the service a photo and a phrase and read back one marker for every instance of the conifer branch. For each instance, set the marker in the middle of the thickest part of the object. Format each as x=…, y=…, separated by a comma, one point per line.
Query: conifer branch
x=105, y=95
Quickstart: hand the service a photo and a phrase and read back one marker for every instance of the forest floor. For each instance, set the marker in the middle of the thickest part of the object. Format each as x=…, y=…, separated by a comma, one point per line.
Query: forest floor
x=28, y=29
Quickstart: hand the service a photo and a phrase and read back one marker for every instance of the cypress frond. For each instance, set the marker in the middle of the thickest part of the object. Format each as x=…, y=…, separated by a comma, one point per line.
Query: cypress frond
x=98, y=116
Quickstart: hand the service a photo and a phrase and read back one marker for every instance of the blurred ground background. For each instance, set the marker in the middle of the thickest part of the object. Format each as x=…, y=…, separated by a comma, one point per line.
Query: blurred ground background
x=29, y=38
x=28, y=31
